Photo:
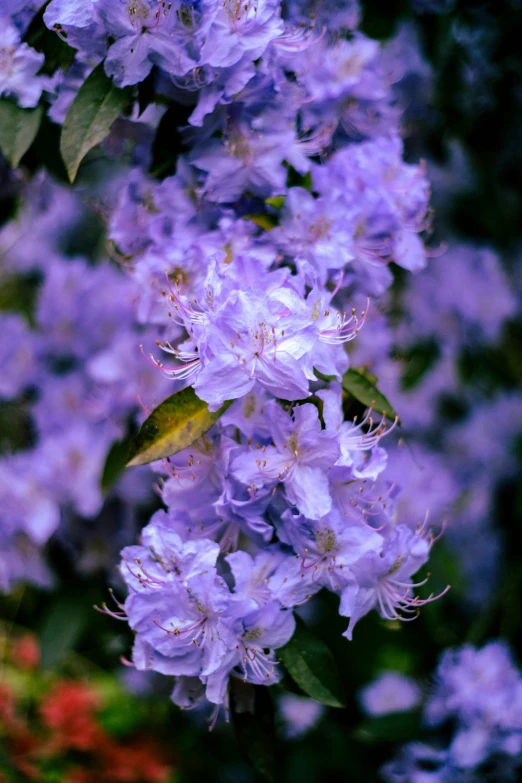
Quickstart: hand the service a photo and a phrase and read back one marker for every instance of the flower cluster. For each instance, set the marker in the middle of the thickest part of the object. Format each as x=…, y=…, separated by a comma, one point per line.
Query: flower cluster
x=252, y=265
x=254, y=261
x=479, y=692
x=61, y=382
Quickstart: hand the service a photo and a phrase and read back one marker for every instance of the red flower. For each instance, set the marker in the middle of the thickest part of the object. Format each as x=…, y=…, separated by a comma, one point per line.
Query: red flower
x=69, y=711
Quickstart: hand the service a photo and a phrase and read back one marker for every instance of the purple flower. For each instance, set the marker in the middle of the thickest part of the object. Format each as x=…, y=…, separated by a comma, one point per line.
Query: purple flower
x=358, y=440
x=145, y=34
x=189, y=623
x=16, y=355
x=163, y=558
x=73, y=13
x=480, y=691
x=19, y=64
x=70, y=465
x=25, y=505
x=240, y=28
x=328, y=547
x=317, y=230
x=252, y=656
x=252, y=338
x=390, y=692
x=300, y=458
x=456, y=692
x=383, y=581
x=299, y=714
x=418, y=763
x=243, y=160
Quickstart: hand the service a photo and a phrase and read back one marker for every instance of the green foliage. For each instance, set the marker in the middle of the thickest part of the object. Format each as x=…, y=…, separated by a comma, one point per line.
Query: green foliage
x=312, y=666
x=172, y=426
x=89, y=120
x=17, y=430
x=365, y=391
x=63, y=626
x=18, y=294
x=418, y=360
x=18, y=129
x=168, y=143
x=296, y=180
x=395, y=727
x=115, y=463
x=253, y=718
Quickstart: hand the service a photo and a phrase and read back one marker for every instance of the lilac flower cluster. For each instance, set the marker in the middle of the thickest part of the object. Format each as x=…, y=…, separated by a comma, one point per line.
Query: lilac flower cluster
x=479, y=693
x=252, y=265
x=254, y=262
x=60, y=372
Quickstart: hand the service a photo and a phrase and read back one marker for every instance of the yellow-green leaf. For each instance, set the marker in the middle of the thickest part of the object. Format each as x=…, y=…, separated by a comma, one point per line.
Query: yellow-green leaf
x=89, y=120
x=276, y=201
x=264, y=221
x=172, y=426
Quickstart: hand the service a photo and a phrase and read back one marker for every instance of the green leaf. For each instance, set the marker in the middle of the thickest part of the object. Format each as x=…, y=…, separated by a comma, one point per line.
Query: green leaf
x=254, y=724
x=172, y=426
x=98, y=103
x=394, y=727
x=18, y=128
x=312, y=666
x=364, y=390
x=115, y=463
x=62, y=627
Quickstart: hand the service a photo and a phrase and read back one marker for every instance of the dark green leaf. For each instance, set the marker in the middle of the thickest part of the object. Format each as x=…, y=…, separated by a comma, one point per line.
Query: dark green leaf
x=172, y=426
x=312, y=666
x=96, y=106
x=45, y=151
x=147, y=90
x=168, y=143
x=295, y=179
x=394, y=727
x=254, y=724
x=418, y=359
x=364, y=390
x=62, y=628
x=115, y=463
x=17, y=429
x=18, y=128
x=18, y=294
x=325, y=378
